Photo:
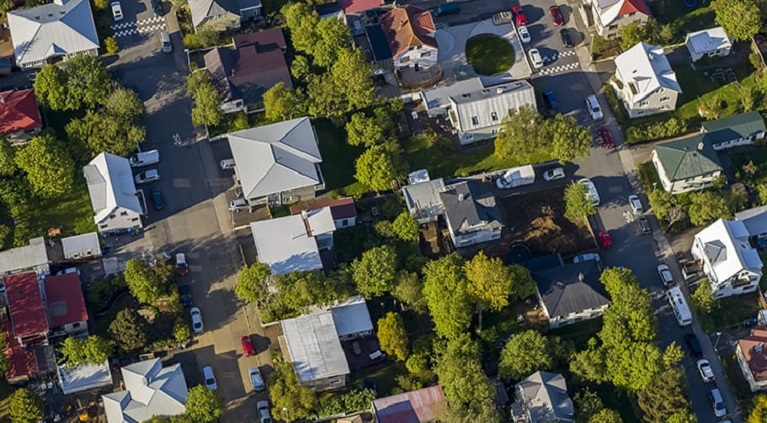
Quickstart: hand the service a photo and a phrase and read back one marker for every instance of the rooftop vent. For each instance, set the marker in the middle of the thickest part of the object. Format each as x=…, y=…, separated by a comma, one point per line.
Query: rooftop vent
x=580, y=276
x=700, y=146
x=499, y=90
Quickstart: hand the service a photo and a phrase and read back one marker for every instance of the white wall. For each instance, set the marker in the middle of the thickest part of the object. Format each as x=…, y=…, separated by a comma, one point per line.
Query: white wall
x=425, y=56
x=120, y=219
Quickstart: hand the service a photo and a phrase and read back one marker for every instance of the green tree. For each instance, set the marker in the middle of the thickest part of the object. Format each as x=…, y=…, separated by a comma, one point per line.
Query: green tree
x=253, y=283
x=111, y=46
x=589, y=364
x=631, y=35
x=207, y=104
x=406, y=227
x=445, y=291
x=203, y=405
x=524, y=285
x=711, y=106
x=525, y=353
x=26, y=407
x=129, y=330
x=51, y=89
x=606, y=416
x=703, y=297
x=664, y=397
x=7, y=158
x=286, y=392
x=758, y=412
x=350, y=74
x=392, y=336
x=578, y=202
x=462, y=378
x=4, y=363
x=409, y=290
x=660, y=201
x=99, y=132
x=523, y=133
x=375, y=273
x=741, y=19
x=377, y=167
x=143, y=282
x=301, y=68
x=302, y=22
x=569, y=141
x=125, y=104
x=587, y=404
x=88, y=82
x=363, y=130
x=282, y=103
x=489, y=283
x=707, y=206
x=332, y=37
x=49, y=168
x=761, y=191
x=181, y=331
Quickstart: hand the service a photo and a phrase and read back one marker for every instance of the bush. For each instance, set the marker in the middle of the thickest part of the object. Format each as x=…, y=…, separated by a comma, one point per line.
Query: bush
x=101, y=4
x=655, y=131
x=101, y=292
x=201, y=39
x=111, y=46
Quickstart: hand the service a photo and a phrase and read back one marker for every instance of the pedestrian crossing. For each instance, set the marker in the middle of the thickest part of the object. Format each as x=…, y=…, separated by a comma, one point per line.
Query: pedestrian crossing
x=559, y=69
x=124, y=29
x=558, y=55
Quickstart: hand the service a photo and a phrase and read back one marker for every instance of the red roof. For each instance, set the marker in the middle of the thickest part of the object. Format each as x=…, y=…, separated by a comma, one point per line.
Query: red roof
x=632, y=6
x=65, y=300
x=754, y=349
x=359, y=6
x=421, y=406
x=22, y=362
x=19, y=111
x=26, y=305
x=341, y=208
x=406, y=27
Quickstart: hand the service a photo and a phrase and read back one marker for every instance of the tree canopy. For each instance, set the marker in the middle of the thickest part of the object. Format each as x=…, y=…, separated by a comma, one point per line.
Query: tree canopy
x=7, y=158
x=364, y=130
x=378, y=166
x=406, y=227
x=489, y=281
x=578, y=204
x=207, y=104
x=664, y=397
x=49, y=168
x=91, y=350
x=741, y=19
x=286, y=391
x=204, y=405
x=392, y=336
x=26, y=407
x=758, y=412
x=375, y=273
x=102, y=131
x=253, y=283
x=283, y=103
x=84, y=82
x=129, y=330
x=525, y=353
x=707, y=206
x=143, y=282
x=445, y=290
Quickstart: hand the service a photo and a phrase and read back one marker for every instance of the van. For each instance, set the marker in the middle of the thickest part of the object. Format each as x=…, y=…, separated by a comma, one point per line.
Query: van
x=165, y=43
x=679, y=306
x=144, y=158
x=717, y=402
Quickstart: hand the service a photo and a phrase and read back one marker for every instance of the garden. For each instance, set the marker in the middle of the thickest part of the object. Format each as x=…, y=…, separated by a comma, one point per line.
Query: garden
x=489, y=54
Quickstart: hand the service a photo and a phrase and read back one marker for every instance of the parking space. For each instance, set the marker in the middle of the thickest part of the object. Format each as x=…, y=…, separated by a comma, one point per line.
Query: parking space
x=141, y=20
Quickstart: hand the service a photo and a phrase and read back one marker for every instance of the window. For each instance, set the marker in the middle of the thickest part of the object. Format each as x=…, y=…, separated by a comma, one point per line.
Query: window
x=474, y=120
x=75, y=325
x=613, y=27
x=426, y=54
x=104, y=226
x=125, y=213
x=404, y=59
x=111, y=216
x=664, y=99
x=632, y=13
x=494, y=116
x=135, y=219
x=644, y=103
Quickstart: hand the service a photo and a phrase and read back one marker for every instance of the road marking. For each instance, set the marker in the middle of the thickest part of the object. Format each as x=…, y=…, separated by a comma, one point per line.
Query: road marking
x=558, y=69
x=156, y=23
x=558, y=55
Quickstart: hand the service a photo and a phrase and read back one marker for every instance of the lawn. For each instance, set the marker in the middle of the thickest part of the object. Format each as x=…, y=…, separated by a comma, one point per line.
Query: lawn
x=489, y=54
x=339, y=158
x=759, y=158
x=682, y=18
x=731, y=312
x=5, y=394
x=385, y=377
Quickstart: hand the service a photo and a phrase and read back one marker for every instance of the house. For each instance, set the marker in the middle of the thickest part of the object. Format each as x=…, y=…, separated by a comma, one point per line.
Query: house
x=114, y=198
x=410, y=32
x=423, y=200
x=734, y=131
x=730, y=263
x=543, y=398
x=67, y=315
x=476, y=112
x=609, y=16
x=29, y=258
x=278, y=163
x=571, y=292
x=81, y=247
x=755, y=221
x=352, y=318
x=471, y=213
x=244, y=72
x=751, y=352
x=53, y=32
x=23, y=362
x=343, y=210
x=29, y=321
x=359, y=7
x=222, y=15
x=19, y=115
x=293, y=243
x=84, y=377
x=379, y=47
x=421, y=406
x=644, y=81
x=710, y=42
x=150, y=390
x=686, y=164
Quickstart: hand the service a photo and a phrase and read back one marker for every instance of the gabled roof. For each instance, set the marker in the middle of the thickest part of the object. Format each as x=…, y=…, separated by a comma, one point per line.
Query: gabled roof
x=645, y=68
x=266, y=40
x=489, y=106
x=64, y=296
x=610, y=10
x=25, y=302
x=469, y=204
x=687, y=158
x=340, y=208
x=571, y=288
x=359, y=6
x=545, y=396
x=734, y=127
x=754, y=349
x=314, y=347
x=275, y=158
x=727, y=248
x=423, y=199
x=110, y=185
x=23, y=362
x=32, y=256
x=352, y=316
x=202, y=9
x=52, y=30
x=408, y=26
x=19, y=111
x=707, y=40
x=421, y=406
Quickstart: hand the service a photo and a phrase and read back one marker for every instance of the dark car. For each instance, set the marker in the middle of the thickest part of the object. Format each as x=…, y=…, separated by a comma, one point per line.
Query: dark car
x=157, y=201
x=606, y=137
x=550, y=98
x=693, y=345
x=644, y=224
x=556, y=15
x=567, y=41
x=186, y=295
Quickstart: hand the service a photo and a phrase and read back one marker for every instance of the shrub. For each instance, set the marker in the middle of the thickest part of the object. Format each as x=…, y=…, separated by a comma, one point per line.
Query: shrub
x=655, y=131
x=111, y=46
x=101, y=292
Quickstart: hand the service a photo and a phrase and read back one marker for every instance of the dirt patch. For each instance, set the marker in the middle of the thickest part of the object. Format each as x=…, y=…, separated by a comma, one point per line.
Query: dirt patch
x=538, y=219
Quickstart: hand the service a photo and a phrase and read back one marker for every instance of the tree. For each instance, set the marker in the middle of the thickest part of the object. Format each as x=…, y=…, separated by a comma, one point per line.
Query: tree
x=301, y=68
x=51, y=88
x=5, y=364
x=302, y=22
x=253, y=283
x=524, y=286
x=207, y=104
x=703, y=297
x=332, y=37
x=7, y=158
x=364, y=130
x=286, y=392
x=181, y=331
x=489, y=283
x=49, y=168
x=758, y=412
x=587, y=404
x=409, y=290
x=350, y=75
x=445, y=290
x=578, y=202
x=525, y=353
x=606, y=416
x=462, y=378
x=392, y=336
x=88, y=82
x=111, y=46
x=378, y=167
x=406, y=227
x=523, y=133
x=91, y=350
x=26, y=407
x=376, y=271
x=664, y=397
x=143, y=282
x=282, y=103
x=761, y=190
x=741, y=19
x=710, y=106
x=125, y=104
x=569, y=141
x=632, y=34
x=104, y=132
x=661, y=201
x=707, y=206
x=675, y=214
x=129, y=330
x=747, y=96
x=203, y=405
x=589, y=364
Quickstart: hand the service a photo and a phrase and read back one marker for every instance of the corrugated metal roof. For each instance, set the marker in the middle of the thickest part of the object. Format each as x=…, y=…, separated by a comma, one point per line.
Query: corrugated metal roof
x=110, y=185
x=421, y=406
x=80, y=246
x=707, y=40
x=314, y=347
x=25, y=302
x=24, y=258
x=352, y=316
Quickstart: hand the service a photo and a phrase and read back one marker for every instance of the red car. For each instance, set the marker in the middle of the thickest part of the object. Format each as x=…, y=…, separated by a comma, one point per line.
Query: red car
x=247, y=346
x=606, y=137
x=556, y=15
x=519, y=16
x=605, y=238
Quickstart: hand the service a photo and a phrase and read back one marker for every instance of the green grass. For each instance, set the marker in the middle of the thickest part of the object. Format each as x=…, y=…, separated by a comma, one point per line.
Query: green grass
x=5, y=395
x=731, y=312
x=489, y=54
x=759, y=157
x=338, y=160
x=682, y=18
x=740, y=387
x=579, y=333
x=384, y=375
x=648, y=175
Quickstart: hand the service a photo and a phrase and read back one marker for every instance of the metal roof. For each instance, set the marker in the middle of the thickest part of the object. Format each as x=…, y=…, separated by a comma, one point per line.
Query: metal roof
x=313, y=346
x=110, y=185
x=25, y=303
x=731, y=128
x=571, y=288
x=27, y=257
x=80, y=246
x=202, y=9
x=352, y=316
x=727, y=248
x=64, y=296
x=646, y=67
x=84, y=377
x=545, y=397
x=421, y=406
x=469, y=204
x=688, y=158
x=707, y=40
x=754, y=219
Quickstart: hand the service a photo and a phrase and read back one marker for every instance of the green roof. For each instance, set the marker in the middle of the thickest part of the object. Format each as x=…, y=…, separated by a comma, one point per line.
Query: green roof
x=685, y=159
x=743, y=125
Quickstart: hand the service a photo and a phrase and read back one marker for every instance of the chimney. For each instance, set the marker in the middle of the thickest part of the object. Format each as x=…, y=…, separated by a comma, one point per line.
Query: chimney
x=307, y=226
x=580, y=276
x=499, y=90
x=460, y=197
x=700, y=146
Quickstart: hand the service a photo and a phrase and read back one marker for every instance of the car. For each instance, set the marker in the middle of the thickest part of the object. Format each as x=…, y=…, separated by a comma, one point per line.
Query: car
x=147, y=176
x=519, y=16
x=556, y=15
x=605, y=239
x=196, y=319
x=524, y=34
x=606, y=137
x=263, y=412
x=182, y=267
x=554, y=174
x=535, y=58
x=717, y=402
x=210, y=378
x=580, y=258
x=592, y=194
x=247, y=346
x=117, y=11
x=144, y=158
x=256, y=380
x=157, y=201
x=704, y=368
x=165, y=44
x=636, y=204
x=592, y=105
x=550, y=99
x=644, y=225
x=693, y=345
x=237, y=205
x=186, y=295
x=567, y=40
x=665, y=275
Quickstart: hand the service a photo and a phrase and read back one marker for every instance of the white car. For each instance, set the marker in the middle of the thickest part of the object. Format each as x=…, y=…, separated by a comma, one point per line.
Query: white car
x=554, y=174
x=592, y=105
x=238, y=205
x=196, y=319
x=148, y=176
x=535, y=58
x=665, y=275
x=210, y=379
x=593, y=195
x=704, y=368
x=636, y=204
x=524, y=34
x=117, y=11
x=263, y=412
x=587, y=257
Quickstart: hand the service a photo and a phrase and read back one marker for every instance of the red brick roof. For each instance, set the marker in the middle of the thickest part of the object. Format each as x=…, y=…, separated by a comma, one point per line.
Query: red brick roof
x=406, y=27
x=632, y=6
x=26, y=305
x=358, y=6
x=341, y=208
x=421, y=406
x=22, y=362
x=754, y=348
x=19, y=111
x=65, y=300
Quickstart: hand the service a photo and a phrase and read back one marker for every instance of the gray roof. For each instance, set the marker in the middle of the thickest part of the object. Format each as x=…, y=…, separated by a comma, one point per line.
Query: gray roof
x=688, y=158
x=275, y=158
x=79, y=246
x=490, y=105
x=202, y=9
x=647, y=68
x=422, y=199
x=440, y=96
x=730, y=128
x=755, y=220
x=24, y=258
x=110, y=185
x=708, y=40
x=545, y=397
x=313, y=346
x=563, y=292
x=469, y=204
x=352, y=316
x=52, y=30
x=84, y=377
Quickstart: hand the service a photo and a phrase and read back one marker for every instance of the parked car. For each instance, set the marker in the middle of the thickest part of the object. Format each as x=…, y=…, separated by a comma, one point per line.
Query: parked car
x=665, y=275
x=592, y=105
x=605, y=239
x=237, y=205
x=535, y=58
x=255, y=379
x=157, y=201
x=636, y=204
x=165, y=44
x=550, y=99
x=554, y=174
x=144, y=158
x=717, y=402
x=693, y=345
x=644, y=225
x=182, y=267
x=580, y=258
x=227, y=164
x=263, y=412
x=556, y=15
x=592, y=194
x=606, y=137
x=704, y=368
x=196, y=319
x=247, y=346
x=186, y=295
x=117, y=11
x=567, y=40
x=147, y=176
x=524, y=34
x=210, y=378
x=519, y=16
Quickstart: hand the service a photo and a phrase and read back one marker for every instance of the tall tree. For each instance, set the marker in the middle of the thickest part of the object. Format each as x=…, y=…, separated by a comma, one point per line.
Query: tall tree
x=207, y=104
x=409, y=290
x=26, y=407
x=364, y=130
x=703, y=297
x=524, y=354
x=758, y=412
x=741, y=19
x=406, y=227
x=91, y=350
x=283, y=103
x=606, y=416
x=632, y=34
x=332, y=38
x=143, y=282
x=49, y=168
x=7, y=158
x=587, y=404
x=4, y=362
x=524, y=285
x=181, y=331
x=445, y=290
x=253, y=283
x=375, y=273
x=523, y=133
x=489, y=283
x=707, y=206
x=124, y=104
x=302, y=22
x=392, y=336
x=287, y=393
x=569, y=141
x=460, y=374
x=51, y=89
x=664, y=397
x=578, y=203
x=204, y=405
x=129, y=330
x=88, y=82
x=103, y=132
x=378, y=166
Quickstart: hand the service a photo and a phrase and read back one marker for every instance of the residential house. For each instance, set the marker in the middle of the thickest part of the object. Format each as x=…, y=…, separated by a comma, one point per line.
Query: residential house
x=53, y=32
x=114, y=198
x=421, y=406
x=755, y=221
x=81, y=247
x=294, y=243
x=644, y=81
x=734, y=131
x=222, y=15
x=379, y=47
x=542, y=398
x=278, y=163
x=29, y=321
x=84, y=377
x=67, y=315
x=423, y=200
x=476, y=112
x=410, y=32
x=244, y=72
x=731, y=264
x=471, y=213
x=343, y=210
x=19, y=115
x=29, y=258
x=359, y=7
x=23, y=362
x=609, y=16
x=150, y=390
x=712, y=42
x=751, y=352
x=686, y=164
x=352, y=318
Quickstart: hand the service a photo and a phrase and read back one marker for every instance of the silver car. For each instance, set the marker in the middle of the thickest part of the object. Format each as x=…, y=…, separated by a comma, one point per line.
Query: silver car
x=636, y=204
x=554, y=174
x=665, y=275
x=536, y=58
x=196, y=319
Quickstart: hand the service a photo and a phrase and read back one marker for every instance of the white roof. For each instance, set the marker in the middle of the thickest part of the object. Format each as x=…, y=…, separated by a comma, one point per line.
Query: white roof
x=352, y=316
x=111, y=186
x=52, y=30
x=439, y=96
x=313, y=346
x=84, y=377
x=284, y=245
x=23, y=258
x=423, y=200
x=150, y=390
x=708, y=40
x=646, y=67
x=276, y=158
x=727, y=249
x=80, y=246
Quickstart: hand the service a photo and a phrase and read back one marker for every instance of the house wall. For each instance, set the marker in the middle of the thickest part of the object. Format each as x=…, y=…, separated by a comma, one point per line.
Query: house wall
x=713, y=53
x=724, y=288
x=327, y=383
x=736, y=142
x=21, y=137
x=424, y=56
x=588, y=314
x=611, y=31
x=74, y=328
x=480, y=134
x=466, y=239
x=660, y=101
x=220, y=23
x=345, y=223
x=232, y=106
x=686, y=185
x=351, y=336
x=250, y=14
x=120, y=219
x=63, y=58
x=753, y=384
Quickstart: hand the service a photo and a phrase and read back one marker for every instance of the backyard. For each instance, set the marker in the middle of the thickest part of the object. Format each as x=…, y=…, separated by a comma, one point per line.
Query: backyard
x=757, y=156
x=489, y=54
x=731, y=312
x=682, y=19
x=339, y=158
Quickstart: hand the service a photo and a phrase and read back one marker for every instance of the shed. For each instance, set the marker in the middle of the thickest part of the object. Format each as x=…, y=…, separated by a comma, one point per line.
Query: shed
x=710, y=42
x=81, y=246
x=84, y=377
x=352, y=318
